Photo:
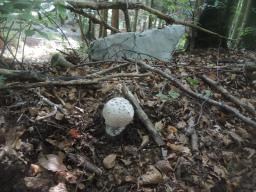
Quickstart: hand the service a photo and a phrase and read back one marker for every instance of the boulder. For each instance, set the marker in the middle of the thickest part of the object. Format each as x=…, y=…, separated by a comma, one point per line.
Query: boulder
x=150, y=44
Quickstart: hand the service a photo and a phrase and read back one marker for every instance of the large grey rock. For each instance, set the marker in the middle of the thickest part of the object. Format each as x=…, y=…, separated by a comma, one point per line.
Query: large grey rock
x=151, y=44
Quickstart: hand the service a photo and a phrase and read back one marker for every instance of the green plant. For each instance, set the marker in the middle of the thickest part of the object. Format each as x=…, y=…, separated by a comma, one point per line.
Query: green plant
x=193, y=82
x=207, y=93
x=171, y=96
x=247, y=31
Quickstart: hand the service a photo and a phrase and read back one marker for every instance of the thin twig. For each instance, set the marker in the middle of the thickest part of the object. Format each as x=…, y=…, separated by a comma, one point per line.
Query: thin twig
x=107, y=70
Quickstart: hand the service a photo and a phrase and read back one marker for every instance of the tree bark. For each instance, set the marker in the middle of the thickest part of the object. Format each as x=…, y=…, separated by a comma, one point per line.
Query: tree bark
x=115, y=19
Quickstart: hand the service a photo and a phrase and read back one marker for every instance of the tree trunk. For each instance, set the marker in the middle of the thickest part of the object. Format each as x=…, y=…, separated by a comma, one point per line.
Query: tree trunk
x=135, y=22
x=239, y=21
x=103, y=30
x=151, y=17
x=115, y=19
x=195, y=18
x=127, y=20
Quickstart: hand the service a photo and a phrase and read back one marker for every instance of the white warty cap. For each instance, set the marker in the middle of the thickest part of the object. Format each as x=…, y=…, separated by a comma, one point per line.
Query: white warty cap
x=117, y=112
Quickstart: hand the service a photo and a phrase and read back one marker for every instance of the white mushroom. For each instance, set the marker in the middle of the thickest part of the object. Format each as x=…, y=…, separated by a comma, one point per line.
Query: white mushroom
x=117, y=112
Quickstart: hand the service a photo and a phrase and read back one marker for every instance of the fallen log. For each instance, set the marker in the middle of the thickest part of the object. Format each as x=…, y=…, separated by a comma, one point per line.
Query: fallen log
x=179, y=85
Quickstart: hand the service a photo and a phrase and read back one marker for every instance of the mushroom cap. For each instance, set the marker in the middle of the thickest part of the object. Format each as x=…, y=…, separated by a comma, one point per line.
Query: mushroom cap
x=117, y=112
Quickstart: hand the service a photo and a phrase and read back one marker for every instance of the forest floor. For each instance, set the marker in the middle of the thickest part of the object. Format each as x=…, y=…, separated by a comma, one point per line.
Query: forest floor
x=43, y=149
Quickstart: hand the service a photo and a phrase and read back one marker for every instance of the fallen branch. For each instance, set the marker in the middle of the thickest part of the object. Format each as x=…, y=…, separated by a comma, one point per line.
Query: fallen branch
x=82, y=161
x=129, y=5
x=107, y=70
x=92, y=18
x=178, y=84
x=143, y=116
x=48, y=102
x=71, y=82
x=98, y=62
x=22, y=75
x=225, y=92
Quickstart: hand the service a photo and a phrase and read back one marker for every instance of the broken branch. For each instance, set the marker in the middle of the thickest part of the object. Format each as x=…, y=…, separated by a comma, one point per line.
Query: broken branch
x=143, y=116
x=71, y=82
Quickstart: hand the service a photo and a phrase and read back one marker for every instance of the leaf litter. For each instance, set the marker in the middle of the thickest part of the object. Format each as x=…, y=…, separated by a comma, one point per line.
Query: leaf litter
x=70, y=151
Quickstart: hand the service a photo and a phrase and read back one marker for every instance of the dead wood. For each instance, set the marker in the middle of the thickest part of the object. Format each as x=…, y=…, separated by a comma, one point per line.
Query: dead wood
x=143, y=116
x=81, y=161
x=226, y=93
x=71, y=82
x=129, y=5
x=108, y=70
x=179, y=85
x=98, y=62
x=21, y=75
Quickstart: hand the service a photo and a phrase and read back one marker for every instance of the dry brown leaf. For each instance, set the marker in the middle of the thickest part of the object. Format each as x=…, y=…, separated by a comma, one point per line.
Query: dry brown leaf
x=61, y=187
x=220, y=171
x=152, y=176
x=130, y=179
x=164, y=166
x=171, y=129
x=109, y=161
x=52, y=162
x=35, y=169
x=59, y=116
x=181, y=125
x=2, y=120
x=236, y=137
x=37, y=184
x=159, y=125
x=179, y=148
x=243, y=132
x=33, y=111
x=145, y=140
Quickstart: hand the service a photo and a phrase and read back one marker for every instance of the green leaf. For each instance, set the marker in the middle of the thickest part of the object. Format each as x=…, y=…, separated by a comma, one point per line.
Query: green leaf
x=173, y=94
x=162, y=97
x=193, y=82
x=207, y=93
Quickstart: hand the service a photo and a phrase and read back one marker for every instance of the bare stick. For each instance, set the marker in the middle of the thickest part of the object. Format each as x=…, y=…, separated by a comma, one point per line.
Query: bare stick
x=225, y=92
x=107, y=70
x=48, y=102
x=98, y=62
x=81, y=161
x=178, y=84
x=143, y=116
x=72, y=82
